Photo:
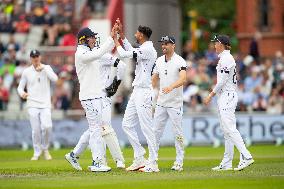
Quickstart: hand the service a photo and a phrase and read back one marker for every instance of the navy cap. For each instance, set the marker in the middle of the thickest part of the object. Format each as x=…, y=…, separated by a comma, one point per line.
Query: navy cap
x=84, y=33
x=34, y=53
x=224, y=39
x=167, y=39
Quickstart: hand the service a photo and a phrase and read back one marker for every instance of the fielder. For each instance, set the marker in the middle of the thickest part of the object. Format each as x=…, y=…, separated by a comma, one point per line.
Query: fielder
x=107, y=61
x=226, y=91
x=37, y=79
x=92, y=91
x=170, y=69
x=139, y=107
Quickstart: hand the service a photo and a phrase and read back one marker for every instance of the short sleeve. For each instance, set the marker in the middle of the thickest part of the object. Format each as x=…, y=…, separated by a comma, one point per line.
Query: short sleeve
x=182, y=64
x=155, y=69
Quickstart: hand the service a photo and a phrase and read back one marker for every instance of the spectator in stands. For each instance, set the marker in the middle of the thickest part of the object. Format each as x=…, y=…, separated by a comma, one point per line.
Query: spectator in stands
x=7, y=73
x=253, y=47
x=1, y=60
x=254, y=80
x=13, y=44
x=2, y=47
x=4, y=95
x=275, y=103
x=5, y=25
x=22, y=54
x=201, y=78
x=212, y=59
x=62, y=93
x=21, y=26
x=259, y=104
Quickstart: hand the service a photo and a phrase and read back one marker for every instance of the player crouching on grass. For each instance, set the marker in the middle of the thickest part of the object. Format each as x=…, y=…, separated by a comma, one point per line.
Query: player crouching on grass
x=104, y=64
x=227, y=99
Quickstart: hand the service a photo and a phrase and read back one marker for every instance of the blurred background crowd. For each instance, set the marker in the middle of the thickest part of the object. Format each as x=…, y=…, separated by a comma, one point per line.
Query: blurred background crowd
x=56, y=22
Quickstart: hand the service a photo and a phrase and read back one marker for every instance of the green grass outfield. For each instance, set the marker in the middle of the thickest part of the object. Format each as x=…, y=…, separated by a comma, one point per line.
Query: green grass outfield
x=17, y=171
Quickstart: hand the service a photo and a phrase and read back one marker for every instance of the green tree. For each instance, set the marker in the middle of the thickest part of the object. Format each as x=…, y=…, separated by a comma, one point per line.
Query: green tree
x=214, y=17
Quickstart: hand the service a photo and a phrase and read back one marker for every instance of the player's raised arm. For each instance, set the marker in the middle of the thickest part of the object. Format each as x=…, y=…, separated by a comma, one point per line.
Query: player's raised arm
x=50, y=73
x=87, y=37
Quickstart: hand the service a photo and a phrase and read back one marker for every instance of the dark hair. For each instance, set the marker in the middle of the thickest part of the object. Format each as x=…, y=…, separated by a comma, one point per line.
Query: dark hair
x=227, y=47
x=145, y=30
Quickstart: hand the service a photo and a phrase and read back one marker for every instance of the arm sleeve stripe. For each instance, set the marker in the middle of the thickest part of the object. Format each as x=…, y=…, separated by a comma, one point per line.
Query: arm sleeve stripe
x=135, y=56
x=182, y=68
x=116, y=62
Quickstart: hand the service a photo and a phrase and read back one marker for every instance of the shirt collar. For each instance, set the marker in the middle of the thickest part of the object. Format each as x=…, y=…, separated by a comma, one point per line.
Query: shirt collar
x=223, y=53
x=146, y=43
x=174, y=54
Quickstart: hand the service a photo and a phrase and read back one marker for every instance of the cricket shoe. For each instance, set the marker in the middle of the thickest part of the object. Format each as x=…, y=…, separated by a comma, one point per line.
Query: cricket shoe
x=35, y=158
x=221, y=168
x=120, y=164
x=98, y=166
x=177, y=167
x=70, y=157
x=137, y=164
x=243, y=164
x=47, y=155
x=150, y=168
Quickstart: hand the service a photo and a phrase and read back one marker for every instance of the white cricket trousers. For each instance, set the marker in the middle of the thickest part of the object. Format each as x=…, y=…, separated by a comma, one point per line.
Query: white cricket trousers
x=139, y=111
x=106, y=120
x=160, y=118
x=227, y=103
x=41, y=124
x=93, y=109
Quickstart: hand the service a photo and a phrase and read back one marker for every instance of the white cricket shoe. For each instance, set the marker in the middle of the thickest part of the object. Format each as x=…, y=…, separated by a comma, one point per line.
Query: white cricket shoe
x=97, y=166
x=221, y=168
x=243, y=164
x=150, y=168
x=70, y=157
x=47, y=155
x=35, y=158
x=137, y=164
x=120, y=164
x=177, y=167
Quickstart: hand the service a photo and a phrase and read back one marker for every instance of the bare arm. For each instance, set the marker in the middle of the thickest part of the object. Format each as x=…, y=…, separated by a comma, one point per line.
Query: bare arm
x=155, y=80
x=95, y=54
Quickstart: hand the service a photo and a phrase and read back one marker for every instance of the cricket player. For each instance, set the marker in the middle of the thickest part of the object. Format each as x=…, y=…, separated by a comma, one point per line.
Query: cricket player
x=92, y=90
x=139, y=107
x=170, y=70
x=36, y=78
x=106, y=63
x=226, y=91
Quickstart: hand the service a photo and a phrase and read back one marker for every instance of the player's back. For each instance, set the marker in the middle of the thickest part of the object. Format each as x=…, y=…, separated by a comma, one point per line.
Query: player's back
x=144, y=66
x=88, y=74
x=227, y=65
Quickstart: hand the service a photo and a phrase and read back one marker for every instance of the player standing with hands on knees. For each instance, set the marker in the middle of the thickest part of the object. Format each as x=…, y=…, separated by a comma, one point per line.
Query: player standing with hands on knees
x=226, y=91
x=37, y=79
x=139, y=107
x=92, y=91
x=170, y=69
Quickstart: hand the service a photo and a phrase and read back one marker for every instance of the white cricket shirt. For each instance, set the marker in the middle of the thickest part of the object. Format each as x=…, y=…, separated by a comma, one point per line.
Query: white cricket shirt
x=226, y=73
x=146, y=57
x=38, y=86
x=168, y=72
x=88, y=69
x=107, y=62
